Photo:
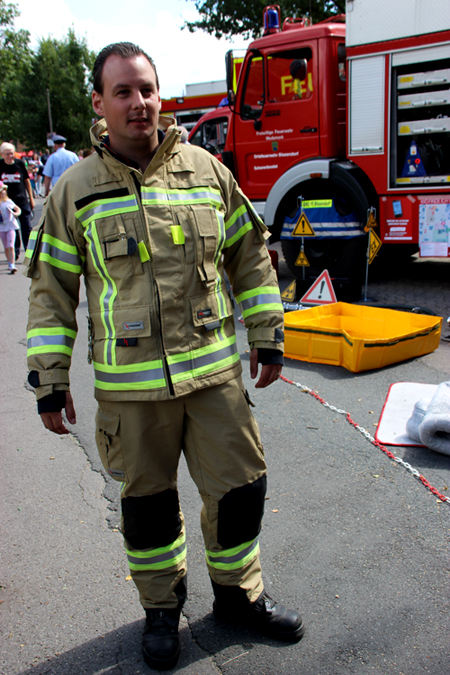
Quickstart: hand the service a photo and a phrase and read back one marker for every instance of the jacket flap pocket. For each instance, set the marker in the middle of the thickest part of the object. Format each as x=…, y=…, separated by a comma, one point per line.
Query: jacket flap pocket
x=133, y=322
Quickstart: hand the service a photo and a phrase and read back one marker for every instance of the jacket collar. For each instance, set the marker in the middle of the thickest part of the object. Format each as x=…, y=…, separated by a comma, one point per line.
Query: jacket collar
x=169, y=144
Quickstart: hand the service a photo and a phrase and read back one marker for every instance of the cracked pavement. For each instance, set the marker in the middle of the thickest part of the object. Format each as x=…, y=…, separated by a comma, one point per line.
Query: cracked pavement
x=349, y=538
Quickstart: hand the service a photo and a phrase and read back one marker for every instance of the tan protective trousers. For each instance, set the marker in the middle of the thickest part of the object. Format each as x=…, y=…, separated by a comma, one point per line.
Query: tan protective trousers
x=140, y=443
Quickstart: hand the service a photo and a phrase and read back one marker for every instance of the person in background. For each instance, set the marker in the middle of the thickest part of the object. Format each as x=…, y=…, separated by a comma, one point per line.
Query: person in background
x=14, y=174
x=57, y=163
x=8, y=225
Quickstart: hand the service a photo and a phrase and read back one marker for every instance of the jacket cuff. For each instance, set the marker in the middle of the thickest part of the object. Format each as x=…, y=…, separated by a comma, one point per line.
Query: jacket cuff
x=270, y=357
x=53, y=403
x=40, y=378
x=263, y=334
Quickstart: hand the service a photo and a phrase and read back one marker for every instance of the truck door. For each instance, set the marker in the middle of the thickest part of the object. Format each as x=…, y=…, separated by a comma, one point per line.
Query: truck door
x=278, y=119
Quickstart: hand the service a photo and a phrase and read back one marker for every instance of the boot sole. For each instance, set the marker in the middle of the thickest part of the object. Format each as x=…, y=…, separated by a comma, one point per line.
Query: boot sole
x=161, y=664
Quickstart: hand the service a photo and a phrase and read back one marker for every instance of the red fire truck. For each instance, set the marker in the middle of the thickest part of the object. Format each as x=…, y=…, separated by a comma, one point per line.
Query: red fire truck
x=340, y=119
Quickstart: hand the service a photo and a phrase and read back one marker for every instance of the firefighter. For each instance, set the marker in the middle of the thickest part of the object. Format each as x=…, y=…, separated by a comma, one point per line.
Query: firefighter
x=153, y=224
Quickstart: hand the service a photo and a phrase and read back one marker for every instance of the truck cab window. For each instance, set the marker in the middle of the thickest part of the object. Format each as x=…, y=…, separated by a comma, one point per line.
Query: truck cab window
x=253, y=98
x=282, y=86
x=211, y=135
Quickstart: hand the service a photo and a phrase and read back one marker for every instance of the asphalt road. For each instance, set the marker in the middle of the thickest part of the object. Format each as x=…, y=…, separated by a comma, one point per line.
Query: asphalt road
x=350, y=538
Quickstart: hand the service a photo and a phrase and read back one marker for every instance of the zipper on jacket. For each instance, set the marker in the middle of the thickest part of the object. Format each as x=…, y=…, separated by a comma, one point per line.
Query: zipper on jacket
x=155, y=291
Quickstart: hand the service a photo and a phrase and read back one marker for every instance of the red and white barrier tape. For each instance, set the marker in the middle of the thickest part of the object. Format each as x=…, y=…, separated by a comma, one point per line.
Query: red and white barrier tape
x=370, y=438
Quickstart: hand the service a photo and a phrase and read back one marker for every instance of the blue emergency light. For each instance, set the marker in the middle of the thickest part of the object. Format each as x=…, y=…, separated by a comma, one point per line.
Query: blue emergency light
x=271, y=19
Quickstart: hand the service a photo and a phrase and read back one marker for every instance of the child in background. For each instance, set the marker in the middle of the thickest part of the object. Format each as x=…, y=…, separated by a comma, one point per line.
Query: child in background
x=8, y=225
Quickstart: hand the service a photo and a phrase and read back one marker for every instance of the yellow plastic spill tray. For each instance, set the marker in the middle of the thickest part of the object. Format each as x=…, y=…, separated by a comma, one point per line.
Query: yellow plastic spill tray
x=359, y=337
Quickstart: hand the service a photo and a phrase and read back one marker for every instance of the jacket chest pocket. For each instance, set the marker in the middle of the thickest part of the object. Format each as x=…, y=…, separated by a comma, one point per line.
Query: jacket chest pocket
x=118, y=242
x=203, y=224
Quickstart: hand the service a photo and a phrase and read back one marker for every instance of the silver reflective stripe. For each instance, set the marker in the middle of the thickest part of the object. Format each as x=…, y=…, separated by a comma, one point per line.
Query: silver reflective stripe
x=228, y=559
x=155, y=559
x=199, y=196
x=58, y=254
x=101, y=209
x=239, y=222
x=204, y=360
x=106, y=314
x=129, y=378
x=263, y=299
x=49, y=341
x=221, y=241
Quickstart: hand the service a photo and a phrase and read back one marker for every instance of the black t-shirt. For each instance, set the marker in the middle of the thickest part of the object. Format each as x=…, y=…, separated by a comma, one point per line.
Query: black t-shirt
x=14, y=175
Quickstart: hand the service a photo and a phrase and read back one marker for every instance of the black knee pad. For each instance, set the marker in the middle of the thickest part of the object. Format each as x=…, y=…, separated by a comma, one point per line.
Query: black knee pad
x=151, y=521
x=240, y=513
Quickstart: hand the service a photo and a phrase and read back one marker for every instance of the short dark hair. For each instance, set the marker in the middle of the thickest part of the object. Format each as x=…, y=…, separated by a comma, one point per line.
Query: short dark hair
x=126, y=50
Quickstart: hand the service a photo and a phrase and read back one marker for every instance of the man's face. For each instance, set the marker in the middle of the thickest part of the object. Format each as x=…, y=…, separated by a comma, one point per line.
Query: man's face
x=130, y=103
x=8, y=156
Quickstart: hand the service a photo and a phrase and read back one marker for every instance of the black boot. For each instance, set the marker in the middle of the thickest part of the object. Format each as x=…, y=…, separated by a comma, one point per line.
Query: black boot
x=267, y=616
x=160, y=642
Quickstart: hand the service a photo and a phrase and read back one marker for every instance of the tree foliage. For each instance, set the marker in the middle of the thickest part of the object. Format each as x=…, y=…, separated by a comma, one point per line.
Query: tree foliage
x=225, y=18
x=14, y=44
x=63, y=67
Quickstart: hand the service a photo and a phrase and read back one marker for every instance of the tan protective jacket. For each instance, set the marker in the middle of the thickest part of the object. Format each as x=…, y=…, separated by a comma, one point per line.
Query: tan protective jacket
x=152, y=248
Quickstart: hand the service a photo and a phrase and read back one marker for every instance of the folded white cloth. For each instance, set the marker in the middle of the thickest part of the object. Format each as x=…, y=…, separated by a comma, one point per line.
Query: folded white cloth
x=416, y=419
x=434, y=429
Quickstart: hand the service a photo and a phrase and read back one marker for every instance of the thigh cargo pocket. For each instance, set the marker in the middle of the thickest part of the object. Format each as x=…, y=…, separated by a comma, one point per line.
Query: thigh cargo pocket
x=109, y=443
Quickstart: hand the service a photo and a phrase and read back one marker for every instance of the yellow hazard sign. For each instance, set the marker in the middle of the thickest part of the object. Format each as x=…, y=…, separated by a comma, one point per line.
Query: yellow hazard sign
x=302, y=260
x=303, y=227
x=374, y=245
x=371, y=220
x=290, y=293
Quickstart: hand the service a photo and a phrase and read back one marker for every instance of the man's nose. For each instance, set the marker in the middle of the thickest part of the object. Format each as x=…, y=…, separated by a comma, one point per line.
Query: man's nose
x=138, y=100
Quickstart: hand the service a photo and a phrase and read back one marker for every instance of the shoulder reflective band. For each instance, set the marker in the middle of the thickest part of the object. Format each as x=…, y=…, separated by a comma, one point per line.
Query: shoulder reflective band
x=233, y=558
x=56, y=253
x=236, y=226
x=50, y=341
x=177, y=234
x=197, y=195
x=158, y=558
x=204, y=360
x=106, y=207
x=263, y=299
x=144, y=255
x=147, y=375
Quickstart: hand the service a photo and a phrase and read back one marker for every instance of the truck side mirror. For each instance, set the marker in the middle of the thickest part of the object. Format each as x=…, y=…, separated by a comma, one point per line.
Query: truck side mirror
x=299, y=69
x=229, y=70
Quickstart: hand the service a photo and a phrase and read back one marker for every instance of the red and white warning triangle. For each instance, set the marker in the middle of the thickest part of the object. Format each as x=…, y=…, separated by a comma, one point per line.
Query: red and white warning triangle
x=321, y=292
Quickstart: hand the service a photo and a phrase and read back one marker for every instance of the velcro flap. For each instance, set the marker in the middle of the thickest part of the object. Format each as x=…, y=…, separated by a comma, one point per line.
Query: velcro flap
x=56, y=376
x=263, y=334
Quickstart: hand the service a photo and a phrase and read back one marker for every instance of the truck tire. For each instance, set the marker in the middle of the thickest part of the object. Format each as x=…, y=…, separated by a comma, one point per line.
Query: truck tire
x=343, y=258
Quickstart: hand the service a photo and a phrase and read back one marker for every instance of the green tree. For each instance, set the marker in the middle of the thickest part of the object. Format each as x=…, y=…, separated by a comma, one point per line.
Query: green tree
x=225, y=18
x=14, y=44
x=63, y=67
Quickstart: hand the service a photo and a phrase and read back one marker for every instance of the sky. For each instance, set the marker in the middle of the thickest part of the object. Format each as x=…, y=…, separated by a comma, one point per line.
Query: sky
x=155, y=25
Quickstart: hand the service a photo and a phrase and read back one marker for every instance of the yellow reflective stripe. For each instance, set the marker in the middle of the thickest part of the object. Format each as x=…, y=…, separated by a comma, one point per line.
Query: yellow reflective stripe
x=108, y=294
x=106, y=207
x=233, y=558
x=204, y=360
x=158, y=558
x=136, y=376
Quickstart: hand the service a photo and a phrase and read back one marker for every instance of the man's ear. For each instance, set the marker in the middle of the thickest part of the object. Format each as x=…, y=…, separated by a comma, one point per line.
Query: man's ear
x=97, y=103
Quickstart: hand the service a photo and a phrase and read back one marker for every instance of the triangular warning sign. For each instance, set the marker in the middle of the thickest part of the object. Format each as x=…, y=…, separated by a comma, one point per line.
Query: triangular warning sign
x=302, y=260
x=289, y=293
x=303, y=227
x=374, y=246
x=321, y=292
